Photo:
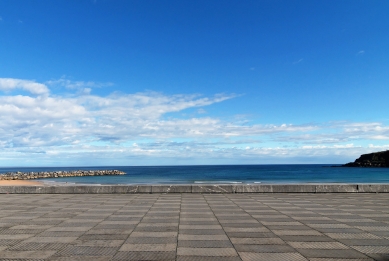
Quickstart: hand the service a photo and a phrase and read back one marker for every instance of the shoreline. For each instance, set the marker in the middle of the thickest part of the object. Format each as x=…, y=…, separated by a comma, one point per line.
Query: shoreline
x=21, y=183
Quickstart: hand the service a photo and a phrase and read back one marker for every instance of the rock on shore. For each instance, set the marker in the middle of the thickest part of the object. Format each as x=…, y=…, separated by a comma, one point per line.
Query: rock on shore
x=375, y=159
x=57, y=174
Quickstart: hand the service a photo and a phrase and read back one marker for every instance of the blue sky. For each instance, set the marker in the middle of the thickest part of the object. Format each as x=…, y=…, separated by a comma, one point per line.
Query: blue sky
x=192, y=82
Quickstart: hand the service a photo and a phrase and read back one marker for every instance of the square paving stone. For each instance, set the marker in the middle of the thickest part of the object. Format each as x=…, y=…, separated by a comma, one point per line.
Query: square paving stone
x=148, y=247
x=291, y=223
x=98, y=243
x=380, y=233
x=352, y=236
x=23, y=255
x=205, y=258
x=205, y=244
x=119, y=222
x=372, y=249
x=60, y=234
x=327, y=225
x=51, y=239
x=159, y=220
x=183, y=222
x=288, y=227
x=9, y=242
x=157, y=224
x=151, y=240
x=297, y=232
x=104, y=231
x=198, y=219
x=257, y=241
x=332, y=253
x=379, y=257
x=21, y=231
x=79, y=223
x=339, y=230
x=364, y=242
x=202, y=231
x=33, y=246
x=44, y=221
x=16, y=237
x=205, y=215
x=246, y=229
x=123, y=218
x=374, y=228
x=68, y=229
x=210, y=227
x=154, y=234
x=307, y=238
x=293, y=256
x=157, y=229
x=70, y=251
x=264, y=248
x=241, y=223
x=103, y=237
x=251, y=235
x=147, y=255
x=202, y=237
x=318, y=245
x=186, y=251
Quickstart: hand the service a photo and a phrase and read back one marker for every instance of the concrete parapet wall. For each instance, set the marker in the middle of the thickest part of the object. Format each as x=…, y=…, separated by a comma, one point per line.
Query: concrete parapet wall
x=131, y=189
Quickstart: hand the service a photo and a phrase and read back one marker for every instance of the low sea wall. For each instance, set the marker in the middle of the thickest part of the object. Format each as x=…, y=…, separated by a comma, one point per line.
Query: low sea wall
x=131, y=189
x=57, y=174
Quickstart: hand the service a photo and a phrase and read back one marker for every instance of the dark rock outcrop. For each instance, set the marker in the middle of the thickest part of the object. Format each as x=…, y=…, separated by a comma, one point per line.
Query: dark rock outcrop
x=375, y=159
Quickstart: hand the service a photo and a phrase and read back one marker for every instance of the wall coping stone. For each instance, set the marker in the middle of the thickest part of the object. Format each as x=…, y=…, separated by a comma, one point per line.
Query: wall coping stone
x=203, y=188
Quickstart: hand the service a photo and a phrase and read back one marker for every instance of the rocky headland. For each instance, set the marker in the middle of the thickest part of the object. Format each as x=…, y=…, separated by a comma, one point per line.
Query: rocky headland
x=375, y=159
x=57, y=174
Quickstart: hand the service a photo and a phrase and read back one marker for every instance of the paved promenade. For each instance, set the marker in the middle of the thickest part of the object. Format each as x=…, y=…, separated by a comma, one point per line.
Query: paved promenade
x=231, y=227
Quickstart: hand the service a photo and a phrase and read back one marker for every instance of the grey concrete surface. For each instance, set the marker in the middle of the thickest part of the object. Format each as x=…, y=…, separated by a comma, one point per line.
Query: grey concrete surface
x=206, y=188
x=183, y=226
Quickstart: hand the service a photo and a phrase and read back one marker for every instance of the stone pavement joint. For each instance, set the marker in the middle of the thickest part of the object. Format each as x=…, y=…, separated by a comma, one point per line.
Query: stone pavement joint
x=194, y=227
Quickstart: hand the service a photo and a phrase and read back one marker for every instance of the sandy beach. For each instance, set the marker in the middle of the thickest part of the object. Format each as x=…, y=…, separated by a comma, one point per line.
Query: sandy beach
x=20, y=183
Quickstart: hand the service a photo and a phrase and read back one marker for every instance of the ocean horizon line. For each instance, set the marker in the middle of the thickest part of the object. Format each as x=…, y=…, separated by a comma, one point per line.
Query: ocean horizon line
x=179, y=165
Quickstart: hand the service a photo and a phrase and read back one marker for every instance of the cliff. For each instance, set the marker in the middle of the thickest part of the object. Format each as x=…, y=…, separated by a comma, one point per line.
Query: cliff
x=375, y=159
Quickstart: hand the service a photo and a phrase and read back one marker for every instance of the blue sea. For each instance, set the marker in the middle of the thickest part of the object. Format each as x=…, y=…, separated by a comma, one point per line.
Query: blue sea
x=222, y=174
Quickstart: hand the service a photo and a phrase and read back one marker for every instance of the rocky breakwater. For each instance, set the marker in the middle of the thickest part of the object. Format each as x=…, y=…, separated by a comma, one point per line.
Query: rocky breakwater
x=376, y=159
x=57, y=174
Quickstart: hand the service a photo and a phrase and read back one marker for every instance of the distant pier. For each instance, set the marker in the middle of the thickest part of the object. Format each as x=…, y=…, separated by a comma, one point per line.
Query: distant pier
x=57, y=174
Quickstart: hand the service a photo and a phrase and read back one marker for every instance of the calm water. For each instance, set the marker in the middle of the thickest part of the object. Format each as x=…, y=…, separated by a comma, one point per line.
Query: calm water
x=227, y=174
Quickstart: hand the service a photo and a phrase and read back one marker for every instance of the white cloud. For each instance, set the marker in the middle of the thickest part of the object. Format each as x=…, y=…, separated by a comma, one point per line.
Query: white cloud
x=379, y=137
x=298, y=61
x=55, y=121
x=77, y=85
x=9, y=84
x=120, y=126
x=361, y=52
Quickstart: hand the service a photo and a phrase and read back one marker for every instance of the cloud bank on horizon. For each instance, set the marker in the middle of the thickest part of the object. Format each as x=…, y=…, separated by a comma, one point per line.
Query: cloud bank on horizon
x=36, y=125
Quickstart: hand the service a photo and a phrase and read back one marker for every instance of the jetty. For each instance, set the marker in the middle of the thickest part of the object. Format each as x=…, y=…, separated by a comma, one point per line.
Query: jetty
x=57, y=174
